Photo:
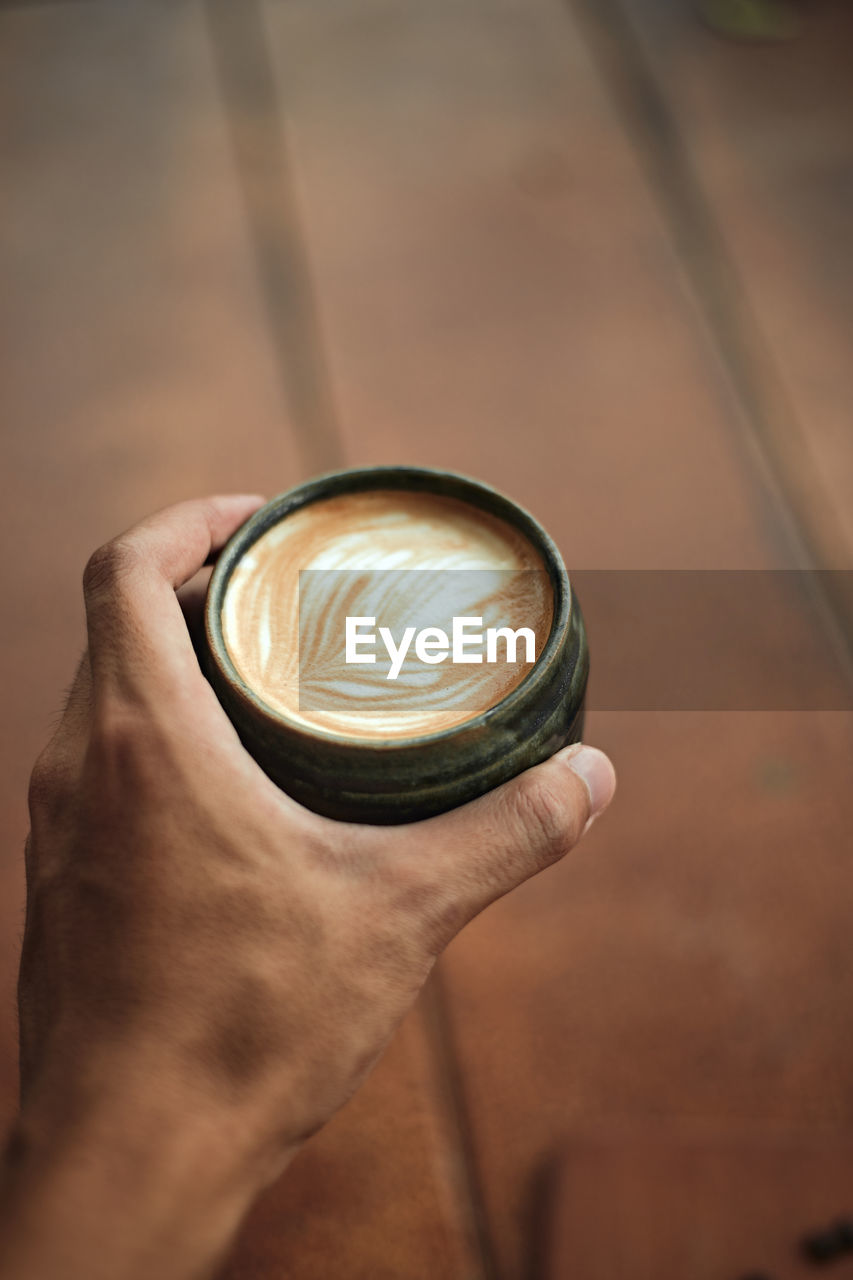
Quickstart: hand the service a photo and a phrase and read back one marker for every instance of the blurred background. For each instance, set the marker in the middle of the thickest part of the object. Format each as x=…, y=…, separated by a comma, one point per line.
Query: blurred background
x=597, y=253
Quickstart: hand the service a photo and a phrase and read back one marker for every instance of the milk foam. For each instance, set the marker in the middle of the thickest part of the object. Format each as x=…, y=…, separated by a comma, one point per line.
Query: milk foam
x=396, y=556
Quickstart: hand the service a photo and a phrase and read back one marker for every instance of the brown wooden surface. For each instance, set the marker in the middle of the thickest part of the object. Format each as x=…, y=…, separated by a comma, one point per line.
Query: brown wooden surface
x=239, y=250
x=382, y=1193
x=665, y=1203
x=766, y=135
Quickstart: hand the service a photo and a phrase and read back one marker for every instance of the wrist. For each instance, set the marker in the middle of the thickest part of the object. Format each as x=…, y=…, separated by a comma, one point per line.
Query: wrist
x=152, y=1175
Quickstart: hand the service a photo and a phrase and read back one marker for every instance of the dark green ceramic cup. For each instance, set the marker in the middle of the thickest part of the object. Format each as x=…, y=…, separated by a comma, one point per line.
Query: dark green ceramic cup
x=402, y=780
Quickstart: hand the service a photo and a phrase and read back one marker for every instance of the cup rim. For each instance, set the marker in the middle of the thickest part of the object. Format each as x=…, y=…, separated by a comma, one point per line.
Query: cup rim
x=358, y=479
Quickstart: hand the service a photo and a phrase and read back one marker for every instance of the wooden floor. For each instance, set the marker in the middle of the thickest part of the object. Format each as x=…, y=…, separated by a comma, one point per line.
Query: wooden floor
x=597, y=256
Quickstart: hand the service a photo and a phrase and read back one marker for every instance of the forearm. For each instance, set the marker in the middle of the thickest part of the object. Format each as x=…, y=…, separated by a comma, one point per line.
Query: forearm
x=123, y=1192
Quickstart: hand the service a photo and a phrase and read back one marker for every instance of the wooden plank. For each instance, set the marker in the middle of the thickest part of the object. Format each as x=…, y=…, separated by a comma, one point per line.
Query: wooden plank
x=691, y=959
x=665, y=1203
x=765, y=132
x=497, y=290
x=500, y=294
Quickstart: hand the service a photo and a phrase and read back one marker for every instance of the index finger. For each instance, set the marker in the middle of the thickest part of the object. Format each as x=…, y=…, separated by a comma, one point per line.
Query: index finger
x=137, y=631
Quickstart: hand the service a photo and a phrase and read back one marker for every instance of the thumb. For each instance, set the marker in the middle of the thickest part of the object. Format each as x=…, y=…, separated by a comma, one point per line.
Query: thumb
x=497, y=841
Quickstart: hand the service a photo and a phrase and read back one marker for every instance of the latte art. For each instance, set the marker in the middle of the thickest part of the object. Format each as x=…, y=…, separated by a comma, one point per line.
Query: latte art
x=413, y=562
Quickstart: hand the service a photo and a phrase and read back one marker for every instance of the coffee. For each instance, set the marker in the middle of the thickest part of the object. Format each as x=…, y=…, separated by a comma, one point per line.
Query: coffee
x=390, y=642
x=411, y=562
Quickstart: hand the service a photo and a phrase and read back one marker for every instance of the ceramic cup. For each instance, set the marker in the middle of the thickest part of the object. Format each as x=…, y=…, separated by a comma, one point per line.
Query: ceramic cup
x=357, y=778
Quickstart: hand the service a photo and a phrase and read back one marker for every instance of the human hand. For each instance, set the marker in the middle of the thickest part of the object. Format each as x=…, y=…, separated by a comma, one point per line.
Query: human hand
x=201, y=953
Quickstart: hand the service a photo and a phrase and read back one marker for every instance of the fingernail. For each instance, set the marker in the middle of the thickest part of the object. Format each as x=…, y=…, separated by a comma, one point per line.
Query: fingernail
x=597, y=772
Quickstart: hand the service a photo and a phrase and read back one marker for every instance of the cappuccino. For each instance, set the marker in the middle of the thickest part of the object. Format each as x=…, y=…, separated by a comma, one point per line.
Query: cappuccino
x=470, y=654
x=355, y=590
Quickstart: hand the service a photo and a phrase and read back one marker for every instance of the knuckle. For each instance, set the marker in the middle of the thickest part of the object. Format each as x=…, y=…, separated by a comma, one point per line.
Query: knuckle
x=50, y=790
x=109, y=565
x=210, y=510
x=42, y=783
x=546, y=814
x=131, y=748
x=114, y=725
x=114, y=735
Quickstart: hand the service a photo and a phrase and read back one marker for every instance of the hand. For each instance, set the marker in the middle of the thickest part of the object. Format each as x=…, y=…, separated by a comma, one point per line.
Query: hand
x=210, y=970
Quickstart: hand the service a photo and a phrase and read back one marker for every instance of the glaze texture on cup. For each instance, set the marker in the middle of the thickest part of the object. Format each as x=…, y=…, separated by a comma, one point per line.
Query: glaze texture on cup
x=401, y=780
